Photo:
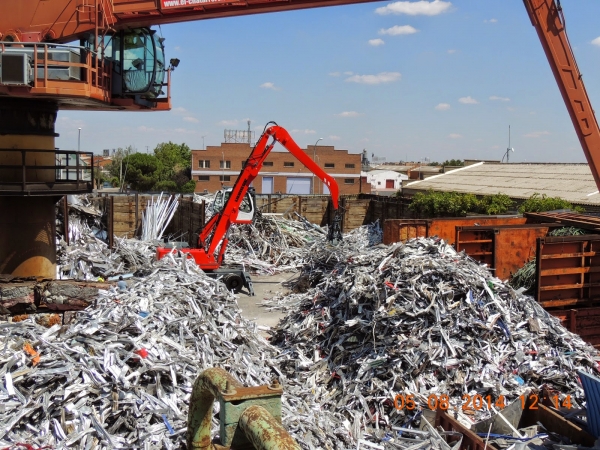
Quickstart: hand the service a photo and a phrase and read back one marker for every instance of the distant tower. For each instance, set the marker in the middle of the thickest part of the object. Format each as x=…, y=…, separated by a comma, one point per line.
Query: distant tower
x=249, y=134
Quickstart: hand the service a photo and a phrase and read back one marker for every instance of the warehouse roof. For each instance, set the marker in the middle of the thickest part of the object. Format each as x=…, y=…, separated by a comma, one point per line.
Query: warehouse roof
x=572, y=182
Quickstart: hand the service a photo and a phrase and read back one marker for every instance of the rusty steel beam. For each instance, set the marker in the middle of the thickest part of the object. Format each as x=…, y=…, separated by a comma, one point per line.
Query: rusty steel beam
x=264, y=431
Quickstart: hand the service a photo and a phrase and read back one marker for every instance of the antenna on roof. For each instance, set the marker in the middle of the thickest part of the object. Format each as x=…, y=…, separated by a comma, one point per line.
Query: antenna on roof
x=509, y=149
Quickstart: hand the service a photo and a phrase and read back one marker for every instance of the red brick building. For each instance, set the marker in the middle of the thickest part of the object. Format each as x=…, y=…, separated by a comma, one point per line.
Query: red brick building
x=281, y=172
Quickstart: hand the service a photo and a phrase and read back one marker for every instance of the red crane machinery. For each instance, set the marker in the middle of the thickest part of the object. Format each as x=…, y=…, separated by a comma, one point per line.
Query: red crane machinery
x=118, y=63
x=236, y=206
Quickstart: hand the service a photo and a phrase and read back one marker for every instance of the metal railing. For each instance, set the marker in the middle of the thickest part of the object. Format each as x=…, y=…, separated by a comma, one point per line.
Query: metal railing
x=45, y=172
x=93, y=69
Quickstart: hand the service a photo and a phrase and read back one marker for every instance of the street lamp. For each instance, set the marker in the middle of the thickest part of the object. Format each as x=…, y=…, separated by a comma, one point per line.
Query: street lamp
x=314, y=159
x=203, y=148
x=79, y=141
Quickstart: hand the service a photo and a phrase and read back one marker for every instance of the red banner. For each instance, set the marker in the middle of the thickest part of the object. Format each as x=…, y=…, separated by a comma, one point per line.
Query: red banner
x=185, y=3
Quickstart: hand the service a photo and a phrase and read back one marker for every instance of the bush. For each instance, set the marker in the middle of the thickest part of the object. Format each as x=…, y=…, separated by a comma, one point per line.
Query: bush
x=495, y=204
x=453, y=204
x=541, y=203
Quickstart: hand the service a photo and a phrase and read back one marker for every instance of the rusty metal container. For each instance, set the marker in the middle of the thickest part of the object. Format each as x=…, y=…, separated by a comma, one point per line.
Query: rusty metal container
x=505, y=249
x=583, y=321
x=568, y=271
x=399, y=230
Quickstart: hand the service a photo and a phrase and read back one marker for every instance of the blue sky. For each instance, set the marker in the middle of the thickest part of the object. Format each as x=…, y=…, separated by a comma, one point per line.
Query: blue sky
x=441, y=85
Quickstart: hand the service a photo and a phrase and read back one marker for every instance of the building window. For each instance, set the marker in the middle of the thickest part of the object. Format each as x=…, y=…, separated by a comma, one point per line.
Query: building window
x=348, y=180
x=225, y=177
x=268, y=164
x=349, y=166
x=288, y=164
x=204, y=164
x=224, y=164
x=203, y=178
x=329, y=165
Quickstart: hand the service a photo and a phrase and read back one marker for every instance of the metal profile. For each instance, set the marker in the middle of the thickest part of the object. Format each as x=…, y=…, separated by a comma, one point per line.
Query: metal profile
x=591, y=387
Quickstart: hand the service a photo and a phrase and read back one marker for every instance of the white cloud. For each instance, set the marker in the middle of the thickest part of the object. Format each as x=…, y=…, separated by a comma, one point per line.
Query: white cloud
x=596, y=41
x=334, y=138
x=179, y=110
x=537, y=134
x=349, y=114
x=490, y=21
x=398, y=30
x=421, y=7
x=454, y=136
x=177, y=48
x=443, y=107
x=376, y=42
x=468, y=100
x=307, y=131
x=191, y=119
x=334, y=74
x=383, y=77
x=228, y=123
x=502, y=99
x=145, y=129
x=348, y=73
x=451, y=51
x=269, y=85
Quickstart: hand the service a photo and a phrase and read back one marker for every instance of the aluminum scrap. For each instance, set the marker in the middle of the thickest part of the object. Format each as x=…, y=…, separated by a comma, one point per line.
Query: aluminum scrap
x=120, y=375
x=418, y=319
x=157, y=216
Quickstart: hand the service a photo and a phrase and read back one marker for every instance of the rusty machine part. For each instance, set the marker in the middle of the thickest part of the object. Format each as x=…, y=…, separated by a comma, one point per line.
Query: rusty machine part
x=250, y=417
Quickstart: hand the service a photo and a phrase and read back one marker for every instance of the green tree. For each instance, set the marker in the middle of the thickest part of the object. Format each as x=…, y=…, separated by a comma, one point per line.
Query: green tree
x=143, y=171
x=453, y=162
x=174, y=158
x=176, y=161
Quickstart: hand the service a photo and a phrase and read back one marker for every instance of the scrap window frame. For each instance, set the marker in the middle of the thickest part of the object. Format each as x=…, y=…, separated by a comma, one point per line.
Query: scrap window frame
x=224, y=177
x=203, y=177
x=268, y=164
x=348, y=180
x=350, y=166
x=288, y=164
x=204, y=164
x=227, y=164
x=330, y=165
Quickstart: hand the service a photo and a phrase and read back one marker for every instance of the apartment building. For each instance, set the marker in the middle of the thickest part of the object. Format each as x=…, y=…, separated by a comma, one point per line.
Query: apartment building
x=219, y=166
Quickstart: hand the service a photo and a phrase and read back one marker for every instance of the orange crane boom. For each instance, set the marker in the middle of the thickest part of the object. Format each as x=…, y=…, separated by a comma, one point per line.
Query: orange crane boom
x=548, y=20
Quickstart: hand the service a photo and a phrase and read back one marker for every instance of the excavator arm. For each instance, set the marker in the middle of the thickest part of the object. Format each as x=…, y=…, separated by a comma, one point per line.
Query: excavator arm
x=548, y=20
x=216, y=229
x=209, y=255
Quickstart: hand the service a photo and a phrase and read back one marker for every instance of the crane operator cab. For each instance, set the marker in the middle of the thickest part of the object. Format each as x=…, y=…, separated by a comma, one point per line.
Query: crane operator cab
x=138, y=57
x=247, y=209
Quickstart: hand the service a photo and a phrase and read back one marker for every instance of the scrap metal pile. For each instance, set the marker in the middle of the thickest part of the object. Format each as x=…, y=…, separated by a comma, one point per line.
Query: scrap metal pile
x=410, y=322
x=419, y=323
x=121, y=374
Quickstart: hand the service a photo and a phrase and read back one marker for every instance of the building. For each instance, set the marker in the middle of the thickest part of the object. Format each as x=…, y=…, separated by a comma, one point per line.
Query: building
x=384, y=181
x=281, y=172
x=571, y=182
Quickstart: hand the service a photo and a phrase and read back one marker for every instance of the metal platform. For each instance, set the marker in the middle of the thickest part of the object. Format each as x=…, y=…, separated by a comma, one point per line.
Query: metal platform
x=27, y=172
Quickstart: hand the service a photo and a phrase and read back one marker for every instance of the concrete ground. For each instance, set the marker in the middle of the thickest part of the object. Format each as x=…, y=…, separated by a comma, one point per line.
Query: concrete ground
x=265, y=287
